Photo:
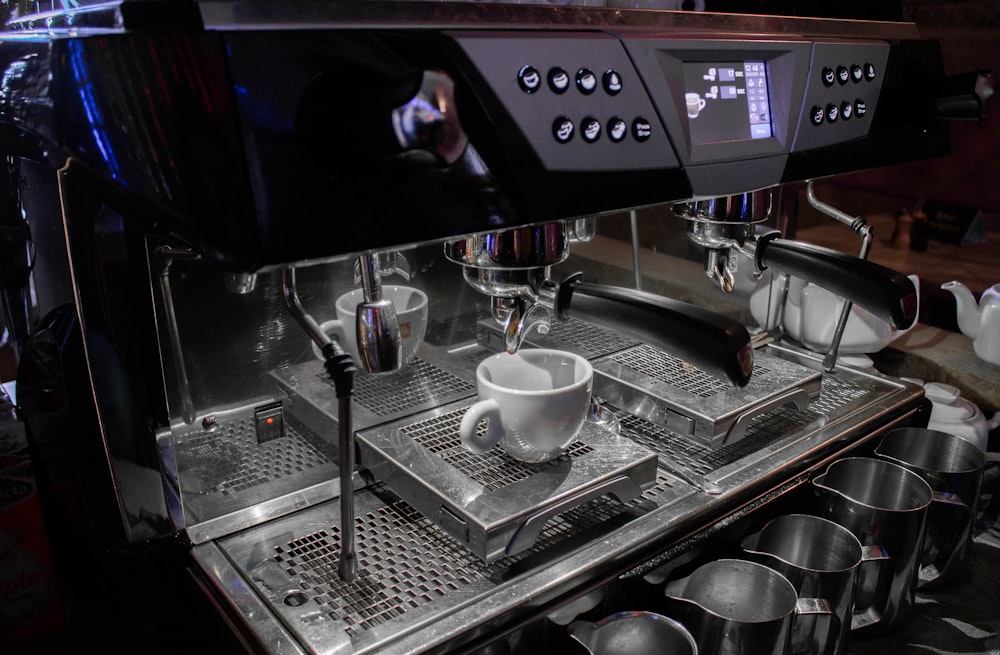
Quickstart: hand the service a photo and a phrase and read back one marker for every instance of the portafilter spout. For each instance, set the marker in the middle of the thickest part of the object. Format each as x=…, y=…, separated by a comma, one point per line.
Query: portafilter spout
x=512, y=267
x=719, y=224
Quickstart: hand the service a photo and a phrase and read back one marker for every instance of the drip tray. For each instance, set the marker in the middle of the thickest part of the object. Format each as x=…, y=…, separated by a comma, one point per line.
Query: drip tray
x=495, y=505
x=664, y=390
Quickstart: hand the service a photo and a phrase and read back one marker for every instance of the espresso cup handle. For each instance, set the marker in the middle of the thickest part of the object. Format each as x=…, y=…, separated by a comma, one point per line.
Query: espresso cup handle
x=872, y=589
x=825, y=626
x=947, y=526
x=468, y=428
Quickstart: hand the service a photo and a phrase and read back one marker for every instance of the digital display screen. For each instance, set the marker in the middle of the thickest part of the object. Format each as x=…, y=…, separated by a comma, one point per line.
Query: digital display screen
x=727, y=101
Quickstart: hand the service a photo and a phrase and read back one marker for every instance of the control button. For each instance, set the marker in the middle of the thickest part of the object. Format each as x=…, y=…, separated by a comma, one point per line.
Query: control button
x=590, y=130
x=641, y=129
x=843, y=76
x=832, y=112
x=612, y=82
x=558, y=80
x=846, y=110
x=562, y=129
x=817, y=115
x=586, y=81
x=856, y=73
x=860, y=108
x=829, y=77
x=869, y=72
x=529, y=79
x=617, y=129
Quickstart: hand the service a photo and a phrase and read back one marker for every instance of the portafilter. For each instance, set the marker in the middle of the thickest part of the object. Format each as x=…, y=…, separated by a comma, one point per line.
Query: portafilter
x=513, y=266
x=723, y=224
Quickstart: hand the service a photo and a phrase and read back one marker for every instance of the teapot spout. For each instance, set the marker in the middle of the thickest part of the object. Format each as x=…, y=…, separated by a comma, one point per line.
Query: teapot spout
x=967, y=310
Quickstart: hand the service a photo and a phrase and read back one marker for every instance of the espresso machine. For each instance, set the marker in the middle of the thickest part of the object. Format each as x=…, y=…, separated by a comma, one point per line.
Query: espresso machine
x=195, y=184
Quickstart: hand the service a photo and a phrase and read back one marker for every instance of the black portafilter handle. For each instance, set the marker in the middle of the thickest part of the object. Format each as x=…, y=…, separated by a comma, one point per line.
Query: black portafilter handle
x=962, y=97
x=886, y=293
x=717, y=345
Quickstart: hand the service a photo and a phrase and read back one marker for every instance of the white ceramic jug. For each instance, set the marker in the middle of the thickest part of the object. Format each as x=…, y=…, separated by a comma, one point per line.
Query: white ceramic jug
x=979, y=321
x=811, y=314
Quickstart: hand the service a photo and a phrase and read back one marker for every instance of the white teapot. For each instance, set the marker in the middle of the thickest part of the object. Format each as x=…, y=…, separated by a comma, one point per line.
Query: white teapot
x=811, y=314
x=952, y=413
x=980, y=322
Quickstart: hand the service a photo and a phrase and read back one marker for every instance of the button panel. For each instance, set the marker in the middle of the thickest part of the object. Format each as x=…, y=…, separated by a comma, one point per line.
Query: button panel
x=844, y=83
x=577, y=99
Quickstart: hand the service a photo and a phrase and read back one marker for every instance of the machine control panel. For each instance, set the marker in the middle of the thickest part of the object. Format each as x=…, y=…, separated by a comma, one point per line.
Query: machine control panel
x=576, y=97
x=592, y=101
x=841, y=94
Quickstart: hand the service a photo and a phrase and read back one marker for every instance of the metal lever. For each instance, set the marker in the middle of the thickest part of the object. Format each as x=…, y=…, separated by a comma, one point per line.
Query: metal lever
x=860, y=227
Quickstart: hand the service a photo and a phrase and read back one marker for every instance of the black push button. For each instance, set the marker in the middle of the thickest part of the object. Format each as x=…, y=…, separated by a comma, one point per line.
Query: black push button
x=829, y=77
x=612, y=82
x=832, y=113
x=856, y=73
x=617, y=129
x=562, y=129
x=843, y=77
x=817, y=115
x=529, y=79
x=860, y=108
x=590, y=130
x=846, y=110
x=586, y=81
x=642, y=129
x=558, y=80
x=869, y=72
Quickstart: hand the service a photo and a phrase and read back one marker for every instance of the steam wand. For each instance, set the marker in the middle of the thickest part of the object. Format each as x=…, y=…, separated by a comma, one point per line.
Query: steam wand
x=859, y=226
x=341, y=368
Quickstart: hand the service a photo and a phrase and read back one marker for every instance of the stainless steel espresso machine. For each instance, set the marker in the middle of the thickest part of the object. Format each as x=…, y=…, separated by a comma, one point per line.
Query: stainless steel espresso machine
x=192, y=186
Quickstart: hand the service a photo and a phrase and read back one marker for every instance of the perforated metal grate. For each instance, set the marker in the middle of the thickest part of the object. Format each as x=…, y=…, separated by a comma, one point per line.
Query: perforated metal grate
x=404, y=562
x=761, y=431
x=659, y=365
x=589, y=337
x=491, y=469
x=229, y=460
x=413, y=386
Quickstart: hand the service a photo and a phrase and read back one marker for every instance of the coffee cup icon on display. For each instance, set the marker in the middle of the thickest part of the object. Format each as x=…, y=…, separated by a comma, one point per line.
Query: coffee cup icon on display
x=695, y=103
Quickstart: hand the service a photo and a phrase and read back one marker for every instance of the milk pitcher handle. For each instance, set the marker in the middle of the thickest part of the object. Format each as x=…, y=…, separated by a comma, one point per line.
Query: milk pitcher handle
x=871, y=591
x=825, y=623
x=947, y=526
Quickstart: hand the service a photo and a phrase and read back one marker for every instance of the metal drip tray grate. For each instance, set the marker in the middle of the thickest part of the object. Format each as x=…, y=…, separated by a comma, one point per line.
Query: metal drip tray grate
x=492, y=469
x=765, y=429
x=573, y=335
x=648, y=382
x=413, y=387
x=408, y=567
x=659, y=365
x=377, y=398
x=224, y=468
x=493, y=504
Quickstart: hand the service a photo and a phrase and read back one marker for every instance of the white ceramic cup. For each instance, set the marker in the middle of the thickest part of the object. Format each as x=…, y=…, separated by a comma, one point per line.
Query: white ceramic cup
x=695, y=103
x=535, y=401
x=411, y=313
